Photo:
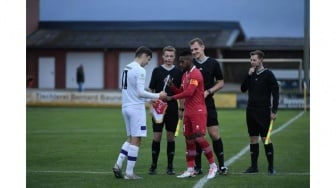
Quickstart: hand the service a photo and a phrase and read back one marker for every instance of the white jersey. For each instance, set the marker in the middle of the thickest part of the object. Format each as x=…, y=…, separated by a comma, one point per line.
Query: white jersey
x=133, y=85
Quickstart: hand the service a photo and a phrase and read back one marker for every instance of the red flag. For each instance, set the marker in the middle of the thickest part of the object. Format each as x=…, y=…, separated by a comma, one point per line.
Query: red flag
x=159, y=109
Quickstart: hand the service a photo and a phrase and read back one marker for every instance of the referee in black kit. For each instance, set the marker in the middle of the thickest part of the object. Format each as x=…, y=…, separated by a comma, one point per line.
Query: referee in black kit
x=170, y=119
x=261, y=84
x=213, y=82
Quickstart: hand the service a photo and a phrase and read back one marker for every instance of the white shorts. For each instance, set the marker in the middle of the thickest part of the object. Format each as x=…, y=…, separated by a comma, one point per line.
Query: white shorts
x=135, y=120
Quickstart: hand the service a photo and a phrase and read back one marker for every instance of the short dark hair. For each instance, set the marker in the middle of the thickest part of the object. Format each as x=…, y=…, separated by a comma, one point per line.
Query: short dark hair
x=198, y=40
x=143, y=50
x=259, y=53
x=185, y=53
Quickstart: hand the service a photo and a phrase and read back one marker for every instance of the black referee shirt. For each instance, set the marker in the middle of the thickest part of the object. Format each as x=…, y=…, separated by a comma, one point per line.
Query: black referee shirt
x=158, y=77
x=260, y=88
x=211, y=72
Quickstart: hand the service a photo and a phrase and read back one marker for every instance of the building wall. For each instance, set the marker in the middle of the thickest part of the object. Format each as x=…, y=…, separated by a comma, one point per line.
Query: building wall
x=111, y=69
x=31, y=68
x=111, y=65
x=233, y=72
x=32, y=16
x=32, y=65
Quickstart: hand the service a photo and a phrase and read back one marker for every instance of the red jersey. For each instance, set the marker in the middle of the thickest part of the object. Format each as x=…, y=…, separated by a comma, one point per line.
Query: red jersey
x=192, y=90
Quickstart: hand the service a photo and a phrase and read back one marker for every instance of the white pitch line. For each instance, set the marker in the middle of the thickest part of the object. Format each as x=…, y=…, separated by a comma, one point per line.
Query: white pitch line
x=204, y=180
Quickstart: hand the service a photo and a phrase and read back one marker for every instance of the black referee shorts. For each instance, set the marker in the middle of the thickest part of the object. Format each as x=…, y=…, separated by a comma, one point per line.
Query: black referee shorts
x=212, y=119
x=258, y=120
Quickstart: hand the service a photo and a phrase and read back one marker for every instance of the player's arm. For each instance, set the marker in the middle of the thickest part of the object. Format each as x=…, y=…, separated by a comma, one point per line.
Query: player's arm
x=275, y=93
x=219, y=80
x=218, y=85
x=175, y=89
x=141, y=76
x=189, y=90
x=246, y=83
x=153, y=81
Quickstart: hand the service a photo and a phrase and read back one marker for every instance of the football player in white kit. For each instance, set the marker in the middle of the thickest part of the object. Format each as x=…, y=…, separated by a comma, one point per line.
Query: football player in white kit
x=134, y=97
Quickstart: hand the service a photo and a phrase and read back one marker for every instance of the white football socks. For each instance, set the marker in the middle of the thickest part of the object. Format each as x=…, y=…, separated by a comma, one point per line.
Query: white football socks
x=123, y=154
x=132, y=158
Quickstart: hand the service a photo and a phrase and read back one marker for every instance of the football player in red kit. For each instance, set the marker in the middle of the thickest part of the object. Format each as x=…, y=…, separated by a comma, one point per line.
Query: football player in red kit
x=195, y=115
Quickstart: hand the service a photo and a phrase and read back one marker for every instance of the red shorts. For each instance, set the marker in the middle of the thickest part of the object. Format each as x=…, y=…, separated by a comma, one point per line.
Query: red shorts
x=194, y=124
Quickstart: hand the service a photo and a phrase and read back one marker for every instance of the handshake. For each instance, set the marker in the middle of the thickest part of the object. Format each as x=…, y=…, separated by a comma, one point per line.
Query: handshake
x=164, y=97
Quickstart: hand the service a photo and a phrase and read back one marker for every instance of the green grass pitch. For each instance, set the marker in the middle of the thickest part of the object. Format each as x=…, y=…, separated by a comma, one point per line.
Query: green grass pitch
x=77, y=147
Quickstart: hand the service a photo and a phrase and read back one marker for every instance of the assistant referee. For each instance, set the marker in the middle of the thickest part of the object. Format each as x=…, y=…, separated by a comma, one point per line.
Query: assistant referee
x=261, y=85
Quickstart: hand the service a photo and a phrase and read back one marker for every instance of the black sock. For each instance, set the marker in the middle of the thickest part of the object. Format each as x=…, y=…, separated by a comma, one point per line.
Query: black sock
x=269, y=151
x=198, y=158
x=219, y=151
x=170, y=153
x=254, y=149
x=155, y=152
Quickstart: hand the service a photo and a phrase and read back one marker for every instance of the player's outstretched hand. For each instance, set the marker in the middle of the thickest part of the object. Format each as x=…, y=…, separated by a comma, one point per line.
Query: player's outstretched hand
x=163, y=95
